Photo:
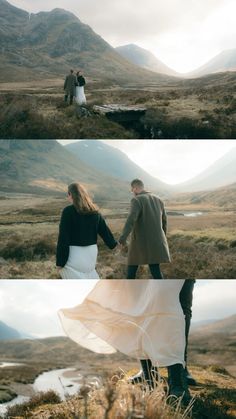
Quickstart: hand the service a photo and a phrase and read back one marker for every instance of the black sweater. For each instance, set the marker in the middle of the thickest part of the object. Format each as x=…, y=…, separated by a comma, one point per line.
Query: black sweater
x=81, y=230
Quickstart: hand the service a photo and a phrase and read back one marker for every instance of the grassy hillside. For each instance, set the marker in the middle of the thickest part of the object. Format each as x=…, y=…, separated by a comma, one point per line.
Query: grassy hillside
x=50, y=43
x=224, y=197
x=45, y=166
x=113, y=162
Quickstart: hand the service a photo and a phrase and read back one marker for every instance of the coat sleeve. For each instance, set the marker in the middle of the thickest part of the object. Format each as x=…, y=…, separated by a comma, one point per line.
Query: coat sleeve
x=63, y=243
x=106, y=234
x=132, y=218
x=164, y=218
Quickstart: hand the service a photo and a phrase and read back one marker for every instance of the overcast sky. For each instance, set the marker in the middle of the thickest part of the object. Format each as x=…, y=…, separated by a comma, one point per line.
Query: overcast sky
x=184, y=34
x=31, y=306
x=172, y=161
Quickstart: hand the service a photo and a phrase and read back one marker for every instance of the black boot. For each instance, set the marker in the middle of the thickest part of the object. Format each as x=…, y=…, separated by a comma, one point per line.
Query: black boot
x=178, y=386
x=189, y=378
x=150, y=373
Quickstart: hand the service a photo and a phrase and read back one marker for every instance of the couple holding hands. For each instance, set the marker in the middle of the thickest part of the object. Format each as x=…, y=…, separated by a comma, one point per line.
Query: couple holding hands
x=145, y=319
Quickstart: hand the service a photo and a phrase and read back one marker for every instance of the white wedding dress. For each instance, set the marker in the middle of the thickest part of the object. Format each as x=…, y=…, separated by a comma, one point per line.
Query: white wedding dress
x=142, y=319
x=80, y=97
x=81, y=263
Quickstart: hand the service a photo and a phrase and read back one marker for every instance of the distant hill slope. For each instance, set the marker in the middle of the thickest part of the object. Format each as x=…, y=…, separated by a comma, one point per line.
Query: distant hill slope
x=8, y=333
x=220, y=173
x=113, y=162
x=46, y=166
x=227, y=325
x=144, y=59
x=224, y=61
x=224, y=197
x=50, y=43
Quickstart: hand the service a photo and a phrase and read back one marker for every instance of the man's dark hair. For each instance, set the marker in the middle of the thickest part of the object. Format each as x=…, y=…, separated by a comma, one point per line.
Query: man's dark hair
x=137, y=183
x=72, y=71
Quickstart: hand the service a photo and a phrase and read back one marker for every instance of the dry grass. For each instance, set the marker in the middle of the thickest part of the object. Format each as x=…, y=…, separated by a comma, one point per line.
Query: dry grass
x=203, y=108
x=111, y=394
x=201, y=247
x=215, y=397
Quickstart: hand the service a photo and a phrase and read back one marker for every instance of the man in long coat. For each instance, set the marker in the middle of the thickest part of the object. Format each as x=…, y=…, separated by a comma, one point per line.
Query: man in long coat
x=70, y=86
x=148, y=223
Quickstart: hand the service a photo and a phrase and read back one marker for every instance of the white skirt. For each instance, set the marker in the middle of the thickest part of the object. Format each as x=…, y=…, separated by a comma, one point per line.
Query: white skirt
x=142, y=319
x=80, y=97
x=81, y=263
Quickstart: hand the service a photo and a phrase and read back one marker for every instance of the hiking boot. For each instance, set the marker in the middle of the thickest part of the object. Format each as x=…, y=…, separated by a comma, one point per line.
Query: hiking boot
x=189, y=378
x=178, y=386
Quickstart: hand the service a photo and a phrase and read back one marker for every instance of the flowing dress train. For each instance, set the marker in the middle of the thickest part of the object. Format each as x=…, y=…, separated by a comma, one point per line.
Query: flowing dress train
x=142, y=319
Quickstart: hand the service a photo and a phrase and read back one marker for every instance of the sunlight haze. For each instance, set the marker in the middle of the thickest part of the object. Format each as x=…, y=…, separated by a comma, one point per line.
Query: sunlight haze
x=183, y=34
x=169, y=160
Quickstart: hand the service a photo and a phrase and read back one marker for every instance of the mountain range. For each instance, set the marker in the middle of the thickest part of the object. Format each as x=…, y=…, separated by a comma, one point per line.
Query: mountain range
x=224, y=61
x=226, y=325
x=145, y=59
x=39, y=45
x=45, y=166
x=221, y=173
x=43, y=44
x=113, y=162
x=8, y=333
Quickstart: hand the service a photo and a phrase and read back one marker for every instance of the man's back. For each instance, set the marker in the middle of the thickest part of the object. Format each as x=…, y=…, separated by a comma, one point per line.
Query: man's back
x=147, y=225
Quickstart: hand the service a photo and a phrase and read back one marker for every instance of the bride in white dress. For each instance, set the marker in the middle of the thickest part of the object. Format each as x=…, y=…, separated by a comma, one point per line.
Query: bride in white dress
x=80, y=225
x=80, y=97
x=142, y=319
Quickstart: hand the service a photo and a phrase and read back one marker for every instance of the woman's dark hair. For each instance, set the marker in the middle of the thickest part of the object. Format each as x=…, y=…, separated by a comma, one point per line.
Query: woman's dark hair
x=81, y=199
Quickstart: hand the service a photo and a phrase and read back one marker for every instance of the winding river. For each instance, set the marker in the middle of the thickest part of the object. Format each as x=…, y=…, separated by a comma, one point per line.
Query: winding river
x=65, y=382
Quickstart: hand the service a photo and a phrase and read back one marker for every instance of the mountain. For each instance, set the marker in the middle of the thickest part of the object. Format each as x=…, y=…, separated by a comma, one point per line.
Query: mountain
x=45, y=166
x=225, y=61
x=8, y=333
x=214, y=344
x=219, y=174
x=225, y=326
x=113, y=162
x=224, y=197
x=46, y=44
x=145, y=59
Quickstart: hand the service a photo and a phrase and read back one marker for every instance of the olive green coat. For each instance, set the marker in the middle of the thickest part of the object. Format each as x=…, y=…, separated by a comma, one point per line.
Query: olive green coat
x=70, y=85
x=147, y=222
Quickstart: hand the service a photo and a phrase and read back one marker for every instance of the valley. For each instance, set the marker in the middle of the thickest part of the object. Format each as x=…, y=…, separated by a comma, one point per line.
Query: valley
x=34, y=178
x=38, y=50
x=211, y=353
x=29, y=229
x=198, y=108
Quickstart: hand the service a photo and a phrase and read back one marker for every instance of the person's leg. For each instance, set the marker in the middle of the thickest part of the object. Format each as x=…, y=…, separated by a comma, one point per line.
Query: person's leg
x=71, y=99
x=131, y=272
x=178, y=385
x=186, y=301
x=149, y=373
x=66, y=98
x=156, y=271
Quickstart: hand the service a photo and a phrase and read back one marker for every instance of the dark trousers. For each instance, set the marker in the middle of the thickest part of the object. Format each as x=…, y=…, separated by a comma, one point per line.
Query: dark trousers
x=186, y=301
x=154, y=269
x=71, y=99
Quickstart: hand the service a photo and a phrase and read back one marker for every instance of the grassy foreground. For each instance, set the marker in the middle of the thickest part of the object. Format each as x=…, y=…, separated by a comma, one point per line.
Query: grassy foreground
x=215, y=397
